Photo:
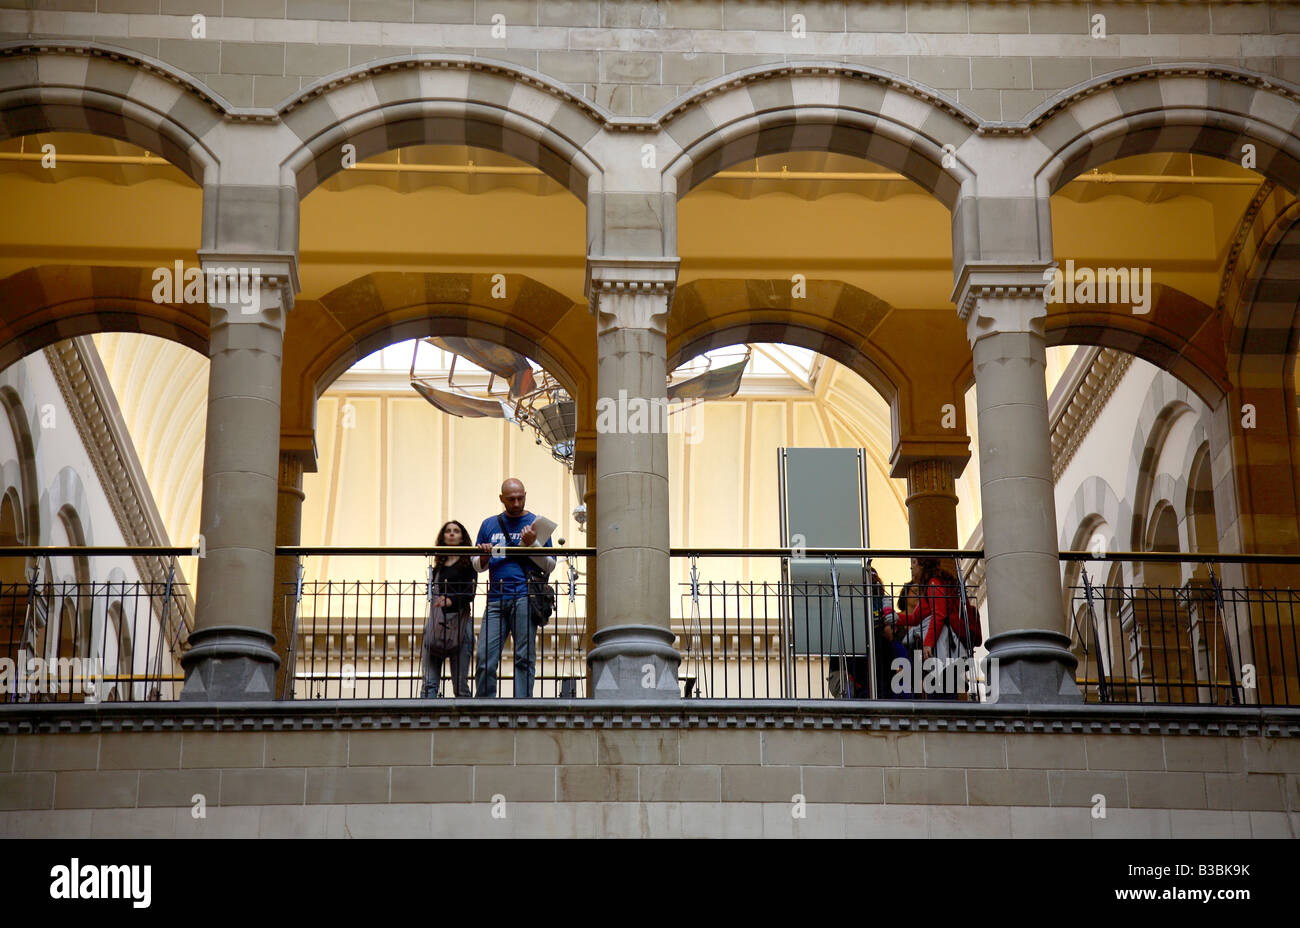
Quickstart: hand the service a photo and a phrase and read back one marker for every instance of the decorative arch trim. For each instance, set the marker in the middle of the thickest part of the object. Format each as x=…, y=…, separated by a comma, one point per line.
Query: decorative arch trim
x=1179, y=334
x=104, y=90
x=42, y=306
x=441, y=99
x=386, y=307
x=1201, y=108
x=1167, y=400
x=819, y=106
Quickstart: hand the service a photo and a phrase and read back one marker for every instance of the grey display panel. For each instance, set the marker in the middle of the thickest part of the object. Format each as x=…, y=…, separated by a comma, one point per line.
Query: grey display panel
x=824, y=506
x=824, y=496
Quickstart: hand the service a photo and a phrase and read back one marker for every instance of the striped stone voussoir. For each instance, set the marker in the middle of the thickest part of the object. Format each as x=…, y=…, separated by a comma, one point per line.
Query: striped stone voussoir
x=1262, y=348
x=1094, y=504
x=1177, y=334
x=44, y=305
x=819, y=107
x=1166, y=400
x=383, y=308
x=1200, y=109
x=87, y=87
x=833, y=318
x=440, y=100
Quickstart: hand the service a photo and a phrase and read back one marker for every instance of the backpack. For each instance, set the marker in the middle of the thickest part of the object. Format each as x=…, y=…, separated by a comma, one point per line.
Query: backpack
x=968, y=619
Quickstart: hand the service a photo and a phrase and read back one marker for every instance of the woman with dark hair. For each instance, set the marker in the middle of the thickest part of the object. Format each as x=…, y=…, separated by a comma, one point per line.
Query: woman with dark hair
x=935, y=602
x=451, y=600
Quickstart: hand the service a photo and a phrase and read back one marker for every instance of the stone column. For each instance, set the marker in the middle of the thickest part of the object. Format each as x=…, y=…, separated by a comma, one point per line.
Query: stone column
x=232, y=655
x=288, y=531
x=1004, y=309
x=932, y=504
x=633, y=655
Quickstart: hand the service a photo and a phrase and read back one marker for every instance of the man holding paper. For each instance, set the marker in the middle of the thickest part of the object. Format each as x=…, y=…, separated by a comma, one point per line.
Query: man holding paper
x=507, y=599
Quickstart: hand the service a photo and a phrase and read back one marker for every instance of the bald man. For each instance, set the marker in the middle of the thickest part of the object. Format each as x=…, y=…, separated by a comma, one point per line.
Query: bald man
x=507, y=599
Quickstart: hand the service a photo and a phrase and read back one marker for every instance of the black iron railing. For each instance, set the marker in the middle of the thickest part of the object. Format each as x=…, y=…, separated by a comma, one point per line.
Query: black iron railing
x=363, y=639
x=806, y=623
x=65, y=640
x=1183, y=636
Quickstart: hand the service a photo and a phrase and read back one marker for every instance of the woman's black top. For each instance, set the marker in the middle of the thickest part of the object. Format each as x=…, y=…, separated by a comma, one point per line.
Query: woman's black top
x=457, y=582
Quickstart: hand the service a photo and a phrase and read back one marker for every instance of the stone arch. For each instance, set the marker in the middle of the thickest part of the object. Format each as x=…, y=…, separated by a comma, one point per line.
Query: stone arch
x=1198, y=508
x=842, y=322
x=818, y=106
x=67, y=494
x=1167, y=400
x=45, y=305
x=1262, y=330
x=441, y=99
x=49, y=86
x=1094, y=499
x=22, y=475
x=1179, y=334
x=1203, y=109
x=326, y=337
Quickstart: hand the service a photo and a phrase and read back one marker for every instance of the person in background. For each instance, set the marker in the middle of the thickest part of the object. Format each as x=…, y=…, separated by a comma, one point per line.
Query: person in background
x=507, y=611
x=932, y=607
x=454, y=580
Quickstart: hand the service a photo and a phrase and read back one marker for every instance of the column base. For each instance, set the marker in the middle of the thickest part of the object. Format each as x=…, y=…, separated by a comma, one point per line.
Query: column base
x=634, y=662
x=1031, y=667
x=229, y=664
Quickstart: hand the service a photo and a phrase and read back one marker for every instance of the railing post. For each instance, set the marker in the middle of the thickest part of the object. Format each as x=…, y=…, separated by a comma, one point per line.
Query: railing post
x=1103, y=688
x=291, y=657
x=1234, y=692
x=162, y=631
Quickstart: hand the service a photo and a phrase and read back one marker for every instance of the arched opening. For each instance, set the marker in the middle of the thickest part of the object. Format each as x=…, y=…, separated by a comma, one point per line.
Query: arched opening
x=13, y=582
x=395, y=465
x=822, y=241
x=122, y=665
x=435, y=232
x=75, y=588
x=726, y=489
x=157, y=216
x=1203, y=528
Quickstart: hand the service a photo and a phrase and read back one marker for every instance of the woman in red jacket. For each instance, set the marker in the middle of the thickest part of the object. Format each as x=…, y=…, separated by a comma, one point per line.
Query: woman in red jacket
x=937, y=603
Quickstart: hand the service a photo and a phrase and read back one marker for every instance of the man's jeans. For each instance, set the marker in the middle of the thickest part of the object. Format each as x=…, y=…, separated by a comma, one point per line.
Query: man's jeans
x=505, y=617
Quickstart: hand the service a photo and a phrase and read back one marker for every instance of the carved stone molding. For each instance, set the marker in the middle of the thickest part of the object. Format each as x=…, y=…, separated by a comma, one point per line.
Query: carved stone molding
x=833, y=715
x=930, y=477
x=1079, y=409
x=88, y=395
x=631, y=277
x=986, y=281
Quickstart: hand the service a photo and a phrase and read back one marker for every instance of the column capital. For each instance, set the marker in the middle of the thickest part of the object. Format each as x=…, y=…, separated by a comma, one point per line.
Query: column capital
x=955, y=451
x=300, y=445
x=276, y=271
x=631, y=276
x=977, y=280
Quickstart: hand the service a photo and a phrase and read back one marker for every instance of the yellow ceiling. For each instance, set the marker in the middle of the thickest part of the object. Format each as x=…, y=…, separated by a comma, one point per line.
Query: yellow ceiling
x=884, y=235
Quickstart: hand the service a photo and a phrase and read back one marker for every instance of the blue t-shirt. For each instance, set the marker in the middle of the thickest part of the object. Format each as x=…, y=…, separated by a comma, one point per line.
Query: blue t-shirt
x=506, y=578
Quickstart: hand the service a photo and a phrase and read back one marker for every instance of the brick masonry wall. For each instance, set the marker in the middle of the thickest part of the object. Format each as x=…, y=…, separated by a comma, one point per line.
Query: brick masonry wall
x=634, y=57
x=646, y=782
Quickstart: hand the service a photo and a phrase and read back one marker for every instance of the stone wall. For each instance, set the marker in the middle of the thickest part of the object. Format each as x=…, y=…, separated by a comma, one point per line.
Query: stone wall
x=587, y=769
x=999, y=59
